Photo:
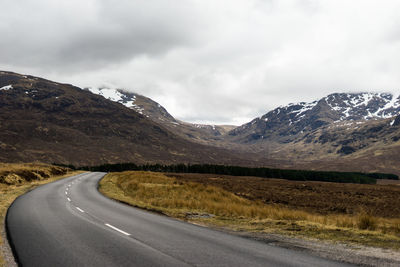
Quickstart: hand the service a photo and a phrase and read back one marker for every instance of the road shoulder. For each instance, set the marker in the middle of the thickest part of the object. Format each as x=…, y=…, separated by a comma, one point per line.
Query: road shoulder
x=349, y=253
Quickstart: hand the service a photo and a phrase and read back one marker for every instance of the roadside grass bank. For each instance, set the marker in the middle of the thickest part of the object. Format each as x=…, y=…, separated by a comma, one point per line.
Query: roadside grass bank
x=213, y=206
x=17, y=179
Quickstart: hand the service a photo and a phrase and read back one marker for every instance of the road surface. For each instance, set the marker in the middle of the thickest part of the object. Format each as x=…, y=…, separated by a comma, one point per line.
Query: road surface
x=69, y=223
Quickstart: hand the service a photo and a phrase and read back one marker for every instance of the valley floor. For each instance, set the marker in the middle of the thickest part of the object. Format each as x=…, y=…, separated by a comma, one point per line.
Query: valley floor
x=353, y=233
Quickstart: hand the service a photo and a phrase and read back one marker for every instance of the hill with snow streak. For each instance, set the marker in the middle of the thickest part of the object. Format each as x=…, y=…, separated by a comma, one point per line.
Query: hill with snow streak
x=201, y=133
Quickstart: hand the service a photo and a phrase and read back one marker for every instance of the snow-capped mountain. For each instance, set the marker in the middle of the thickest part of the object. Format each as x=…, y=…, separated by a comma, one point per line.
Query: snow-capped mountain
x=141, y=104
x=298, y=118
x=340, y=131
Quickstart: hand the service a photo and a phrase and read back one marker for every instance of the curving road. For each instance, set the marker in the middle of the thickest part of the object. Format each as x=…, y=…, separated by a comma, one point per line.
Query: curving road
x=69, y=223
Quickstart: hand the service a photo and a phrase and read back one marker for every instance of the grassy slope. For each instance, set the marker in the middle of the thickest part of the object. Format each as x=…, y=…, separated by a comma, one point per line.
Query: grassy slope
x=214, y=206
x=17, y=179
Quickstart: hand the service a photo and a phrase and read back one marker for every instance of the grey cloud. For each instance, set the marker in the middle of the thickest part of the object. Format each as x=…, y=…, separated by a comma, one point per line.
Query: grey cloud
x=224, y=61
x=110, y=32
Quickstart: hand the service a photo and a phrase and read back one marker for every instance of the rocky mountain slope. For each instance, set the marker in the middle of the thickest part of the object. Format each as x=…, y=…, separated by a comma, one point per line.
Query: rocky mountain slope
x=41, y=120
x=200, y=133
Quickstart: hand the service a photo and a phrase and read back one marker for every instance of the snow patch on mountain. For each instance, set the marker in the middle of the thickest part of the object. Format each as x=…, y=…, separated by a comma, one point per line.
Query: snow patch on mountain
x=5, y=88
x=117, y=95
x=299, y=109
x=111, y=94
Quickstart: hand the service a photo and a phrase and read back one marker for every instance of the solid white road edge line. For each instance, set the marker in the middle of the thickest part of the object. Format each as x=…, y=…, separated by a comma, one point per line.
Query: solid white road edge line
x=116, y=229
x=81, y=210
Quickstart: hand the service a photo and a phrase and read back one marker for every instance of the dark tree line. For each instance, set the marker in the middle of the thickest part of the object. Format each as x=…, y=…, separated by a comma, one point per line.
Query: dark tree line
x=297, y=175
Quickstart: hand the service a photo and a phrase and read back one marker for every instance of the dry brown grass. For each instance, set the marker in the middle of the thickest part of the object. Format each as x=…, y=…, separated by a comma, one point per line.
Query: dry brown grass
x=212, y=205
x=17, y=179
x=14, y=174
x=315, y=197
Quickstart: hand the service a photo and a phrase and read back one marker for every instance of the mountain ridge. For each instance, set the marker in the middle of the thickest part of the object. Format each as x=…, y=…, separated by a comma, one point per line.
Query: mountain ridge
x=54, y=122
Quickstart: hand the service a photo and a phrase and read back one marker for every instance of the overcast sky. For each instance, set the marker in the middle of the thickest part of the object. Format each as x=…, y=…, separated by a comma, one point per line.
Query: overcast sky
x=210, y=61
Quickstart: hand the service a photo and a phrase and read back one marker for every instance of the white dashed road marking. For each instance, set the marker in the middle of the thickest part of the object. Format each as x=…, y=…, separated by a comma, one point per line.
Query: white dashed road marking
x=81, y=210
x=116, y=229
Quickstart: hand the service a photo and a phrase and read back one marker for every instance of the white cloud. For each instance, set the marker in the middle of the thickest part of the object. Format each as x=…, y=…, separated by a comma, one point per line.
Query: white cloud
x=221, y=61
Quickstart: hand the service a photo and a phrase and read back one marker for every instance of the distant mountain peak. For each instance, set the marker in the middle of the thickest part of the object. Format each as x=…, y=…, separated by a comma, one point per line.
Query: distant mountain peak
x=358, y=106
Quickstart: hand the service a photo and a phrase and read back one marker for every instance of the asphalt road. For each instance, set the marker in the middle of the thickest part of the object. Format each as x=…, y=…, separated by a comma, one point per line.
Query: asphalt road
x=69, y=223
